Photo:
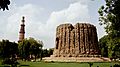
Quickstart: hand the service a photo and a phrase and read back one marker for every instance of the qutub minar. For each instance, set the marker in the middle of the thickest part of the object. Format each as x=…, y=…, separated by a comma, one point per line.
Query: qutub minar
x=22, y=30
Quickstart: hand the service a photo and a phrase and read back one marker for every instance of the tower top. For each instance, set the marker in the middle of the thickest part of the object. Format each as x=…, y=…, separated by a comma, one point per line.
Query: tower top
x=23, y=20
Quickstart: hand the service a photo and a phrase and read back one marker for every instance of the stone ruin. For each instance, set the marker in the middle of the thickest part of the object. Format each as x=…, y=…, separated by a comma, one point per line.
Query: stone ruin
x=79, y=40
x=78, y=43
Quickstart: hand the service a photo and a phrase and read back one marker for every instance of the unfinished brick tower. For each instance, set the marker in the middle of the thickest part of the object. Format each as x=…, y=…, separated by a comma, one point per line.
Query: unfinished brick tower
x=76, y=41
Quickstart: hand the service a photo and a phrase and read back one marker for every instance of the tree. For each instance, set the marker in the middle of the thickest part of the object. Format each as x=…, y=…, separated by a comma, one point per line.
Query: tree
x=50, y=51
x=110, y=18
x=36, y=47
x=4, y=4
x=30, y=47
x=103, y=46
x=90, y=64
x=110, y=47
x=116, y=53
x=45, y=53
x=8, y=51
x=24, y=49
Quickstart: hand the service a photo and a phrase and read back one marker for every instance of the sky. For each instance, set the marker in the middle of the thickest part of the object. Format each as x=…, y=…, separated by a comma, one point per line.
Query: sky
x=43, y=16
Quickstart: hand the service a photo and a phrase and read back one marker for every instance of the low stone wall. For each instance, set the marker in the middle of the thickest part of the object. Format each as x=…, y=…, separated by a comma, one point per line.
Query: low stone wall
x=76, y=59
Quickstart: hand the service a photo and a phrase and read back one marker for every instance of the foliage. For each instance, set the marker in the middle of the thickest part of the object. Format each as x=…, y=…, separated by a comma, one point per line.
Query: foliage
x=116, y=65
x=110, y=47
x=24, y=48
x=50, y=51
x=4, y=4
x=47, y=52
x=8, y=51
x=30, y=47
x=110, y=18
x=10, y=62
x=116, y=48
x=103, y=46
x=90, y=64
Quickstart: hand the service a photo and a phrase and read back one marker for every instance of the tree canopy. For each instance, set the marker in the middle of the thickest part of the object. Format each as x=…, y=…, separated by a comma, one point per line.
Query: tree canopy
x=8, y=49
x=109, y=16
x=103, y=46
x=4, y=4
x=30, y=47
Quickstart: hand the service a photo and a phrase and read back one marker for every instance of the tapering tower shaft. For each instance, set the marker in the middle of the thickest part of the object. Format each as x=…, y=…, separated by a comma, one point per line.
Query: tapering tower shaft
x=22, y=30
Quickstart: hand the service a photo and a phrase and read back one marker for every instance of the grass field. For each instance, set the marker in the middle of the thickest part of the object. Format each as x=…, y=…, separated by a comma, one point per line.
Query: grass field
x=59, y=64
x=43, y=64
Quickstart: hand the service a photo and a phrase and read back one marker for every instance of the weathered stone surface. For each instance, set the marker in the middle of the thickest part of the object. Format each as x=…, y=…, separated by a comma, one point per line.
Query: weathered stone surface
x=76, y=41
x=76, y=59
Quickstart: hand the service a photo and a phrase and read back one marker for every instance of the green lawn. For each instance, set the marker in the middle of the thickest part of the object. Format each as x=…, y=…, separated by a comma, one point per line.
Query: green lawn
x=61, y=64
x=43, y=64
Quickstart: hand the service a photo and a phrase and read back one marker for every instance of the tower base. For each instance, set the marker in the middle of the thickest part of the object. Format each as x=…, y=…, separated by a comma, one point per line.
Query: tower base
x=76, y=59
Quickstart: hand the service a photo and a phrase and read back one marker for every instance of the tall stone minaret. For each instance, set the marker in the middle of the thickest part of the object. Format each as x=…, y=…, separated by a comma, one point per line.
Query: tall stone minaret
x=22, y=30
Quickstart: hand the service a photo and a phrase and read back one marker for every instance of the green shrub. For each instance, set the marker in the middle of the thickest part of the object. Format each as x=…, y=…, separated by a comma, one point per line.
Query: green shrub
x=12, y=62
x=116, y=65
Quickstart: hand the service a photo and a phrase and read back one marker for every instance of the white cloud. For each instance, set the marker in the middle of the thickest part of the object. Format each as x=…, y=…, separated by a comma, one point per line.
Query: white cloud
x=13, y=21
x=42, y=30
x=75, y=12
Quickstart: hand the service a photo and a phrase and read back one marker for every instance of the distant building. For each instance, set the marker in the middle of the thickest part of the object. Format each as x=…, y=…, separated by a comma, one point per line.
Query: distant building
x=22, y=30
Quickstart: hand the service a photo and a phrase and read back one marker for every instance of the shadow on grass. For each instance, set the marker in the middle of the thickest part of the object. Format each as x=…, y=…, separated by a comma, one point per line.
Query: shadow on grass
x=5, y=65
x=15, y=66
x=23, y=65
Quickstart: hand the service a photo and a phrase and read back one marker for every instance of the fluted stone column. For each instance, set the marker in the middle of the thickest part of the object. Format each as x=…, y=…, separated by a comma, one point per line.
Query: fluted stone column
x=72, y=42
x=77, y=39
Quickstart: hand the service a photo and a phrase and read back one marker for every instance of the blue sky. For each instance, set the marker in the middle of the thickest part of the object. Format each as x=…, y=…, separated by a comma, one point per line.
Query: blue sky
x=43, y=16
